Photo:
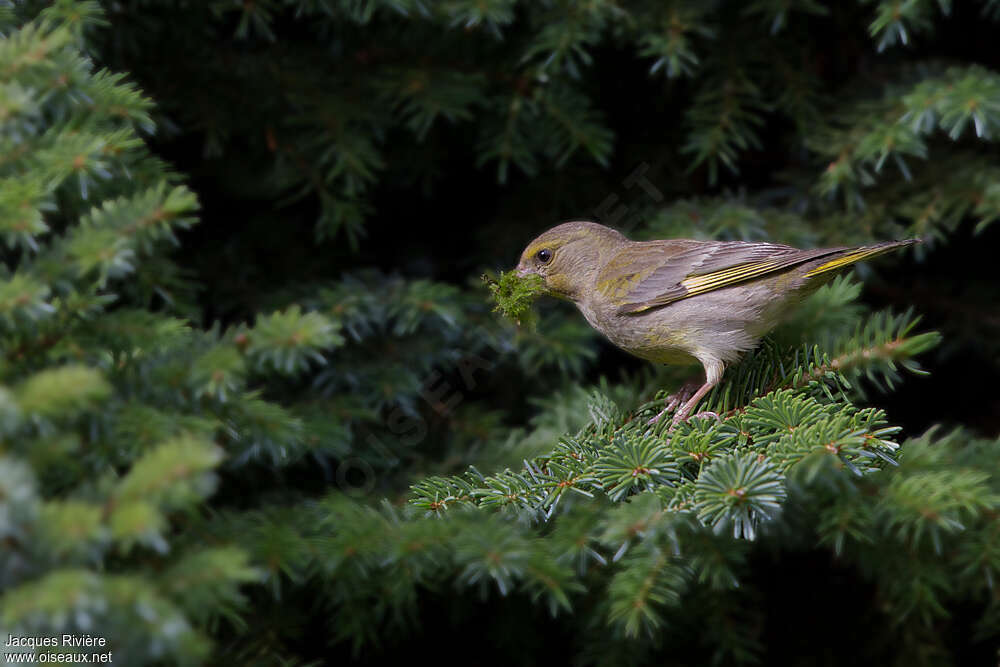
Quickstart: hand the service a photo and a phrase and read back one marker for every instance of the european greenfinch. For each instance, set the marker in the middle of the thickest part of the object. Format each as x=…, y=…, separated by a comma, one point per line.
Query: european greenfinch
x=680, y=301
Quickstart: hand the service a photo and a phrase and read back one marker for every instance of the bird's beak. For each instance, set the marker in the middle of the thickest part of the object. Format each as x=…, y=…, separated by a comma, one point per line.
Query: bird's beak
x=523, y=271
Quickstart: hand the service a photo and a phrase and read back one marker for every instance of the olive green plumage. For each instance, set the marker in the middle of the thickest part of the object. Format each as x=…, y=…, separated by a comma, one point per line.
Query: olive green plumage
x=682, y=301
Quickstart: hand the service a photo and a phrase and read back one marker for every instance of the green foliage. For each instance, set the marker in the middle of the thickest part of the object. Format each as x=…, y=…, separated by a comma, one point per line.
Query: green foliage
x=288, y=341
x=345, y=449
x=61, y=391
x=113, y=414
x=741, y=491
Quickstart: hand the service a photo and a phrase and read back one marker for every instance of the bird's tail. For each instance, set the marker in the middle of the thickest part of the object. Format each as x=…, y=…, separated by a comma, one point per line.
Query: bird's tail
x=858, y=254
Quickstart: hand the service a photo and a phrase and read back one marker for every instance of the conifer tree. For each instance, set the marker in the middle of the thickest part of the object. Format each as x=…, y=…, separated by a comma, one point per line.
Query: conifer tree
x=223, y=470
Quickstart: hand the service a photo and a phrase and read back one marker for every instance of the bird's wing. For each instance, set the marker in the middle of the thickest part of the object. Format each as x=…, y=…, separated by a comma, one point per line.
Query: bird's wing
x=655, y=273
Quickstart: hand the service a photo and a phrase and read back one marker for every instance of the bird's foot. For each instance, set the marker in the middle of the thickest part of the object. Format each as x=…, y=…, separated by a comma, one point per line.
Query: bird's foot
x=656, y=419
x=671, y=405
x=674, y=401
x=705, y=414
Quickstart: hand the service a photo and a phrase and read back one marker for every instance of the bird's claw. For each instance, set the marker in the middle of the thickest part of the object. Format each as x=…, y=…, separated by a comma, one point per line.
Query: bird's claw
x=674, y=401
x=672, y=404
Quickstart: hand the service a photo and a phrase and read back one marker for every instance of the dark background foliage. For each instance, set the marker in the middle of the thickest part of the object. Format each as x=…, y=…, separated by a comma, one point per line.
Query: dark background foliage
x=367, y=161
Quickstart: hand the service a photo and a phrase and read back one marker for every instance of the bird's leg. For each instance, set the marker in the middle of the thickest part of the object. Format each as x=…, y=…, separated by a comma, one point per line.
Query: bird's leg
x=685, y=412
x=713, y=373
x=688, y=400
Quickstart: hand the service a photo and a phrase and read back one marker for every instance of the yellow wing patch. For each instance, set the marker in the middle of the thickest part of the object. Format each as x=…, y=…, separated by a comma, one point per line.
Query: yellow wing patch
x=858, y=255
x=718, y=279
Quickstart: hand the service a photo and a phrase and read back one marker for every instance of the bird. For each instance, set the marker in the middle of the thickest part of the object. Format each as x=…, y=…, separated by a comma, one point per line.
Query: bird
x=682, y=301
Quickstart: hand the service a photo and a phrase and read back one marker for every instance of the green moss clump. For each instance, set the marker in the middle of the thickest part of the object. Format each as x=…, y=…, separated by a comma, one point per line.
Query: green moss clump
x=514, y=295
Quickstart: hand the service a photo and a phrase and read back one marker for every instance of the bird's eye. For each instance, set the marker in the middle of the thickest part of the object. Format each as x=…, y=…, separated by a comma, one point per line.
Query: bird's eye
x=544, y=256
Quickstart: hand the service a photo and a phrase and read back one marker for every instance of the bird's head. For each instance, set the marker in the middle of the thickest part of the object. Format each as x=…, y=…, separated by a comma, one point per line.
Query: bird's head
x=569, y=256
